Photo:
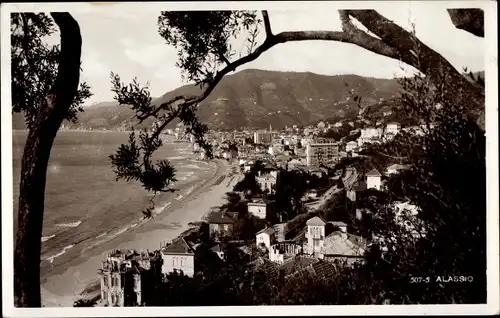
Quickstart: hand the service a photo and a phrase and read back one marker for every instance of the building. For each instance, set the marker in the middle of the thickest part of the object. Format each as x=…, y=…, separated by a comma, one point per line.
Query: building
x=263, y=137
x=321, y=153
x=369, y=135
x=267, y=182
x=266, y=237
x=221, y=223
x=350, y=146
x=373, y=180
x=395, y=168
x=344, y=247
x=130, y=278
x=178, y=257
x=393, y=128
x=262, y=208
x=315, y=235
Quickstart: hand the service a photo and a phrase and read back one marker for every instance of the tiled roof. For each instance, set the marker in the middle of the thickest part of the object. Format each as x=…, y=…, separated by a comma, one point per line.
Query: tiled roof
x=374, y=173
x=267, y=230
x=324, y=270
x=265, y=264
x=297, y=263
x=338, y=223
x=338, y=243
x=315, y=221
x=217, y=217
x=179, y=246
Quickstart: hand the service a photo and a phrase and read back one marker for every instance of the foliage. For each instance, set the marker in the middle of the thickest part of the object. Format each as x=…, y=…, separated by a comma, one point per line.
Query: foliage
x=34, y=65
x=246, y=226
x=202, y=38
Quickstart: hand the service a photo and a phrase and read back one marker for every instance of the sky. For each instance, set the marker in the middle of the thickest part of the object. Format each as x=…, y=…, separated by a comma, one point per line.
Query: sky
x=126, y=41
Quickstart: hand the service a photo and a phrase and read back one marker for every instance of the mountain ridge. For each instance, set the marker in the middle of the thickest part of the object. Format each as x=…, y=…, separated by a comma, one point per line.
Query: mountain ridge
x=255, y=98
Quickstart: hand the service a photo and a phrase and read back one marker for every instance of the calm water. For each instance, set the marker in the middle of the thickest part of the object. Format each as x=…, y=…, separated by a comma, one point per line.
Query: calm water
x=84, y=204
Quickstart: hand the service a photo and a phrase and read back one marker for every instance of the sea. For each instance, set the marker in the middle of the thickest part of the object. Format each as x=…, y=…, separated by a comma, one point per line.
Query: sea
x=85, y=205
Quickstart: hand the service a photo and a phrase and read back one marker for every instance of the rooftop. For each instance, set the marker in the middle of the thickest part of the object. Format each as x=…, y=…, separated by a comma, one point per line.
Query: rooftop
x=339, y=243
x=297, y=263
x=338, y=223
x=267, y=230
x=315, y=221
x=179, y=246
x=217, y=217
x=373, y=173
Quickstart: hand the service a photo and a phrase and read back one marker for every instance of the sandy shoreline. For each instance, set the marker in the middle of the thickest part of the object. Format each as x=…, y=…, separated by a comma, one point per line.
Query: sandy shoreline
x=62, y=290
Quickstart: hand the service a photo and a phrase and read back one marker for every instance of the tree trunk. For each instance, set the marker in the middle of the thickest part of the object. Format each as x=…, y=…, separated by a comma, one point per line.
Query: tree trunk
x=30, y=218
x=34, y=164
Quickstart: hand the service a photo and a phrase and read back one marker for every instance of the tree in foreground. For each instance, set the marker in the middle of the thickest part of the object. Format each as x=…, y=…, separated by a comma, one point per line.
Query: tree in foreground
x=205, y=55
x=46, y=88
x=425, y=256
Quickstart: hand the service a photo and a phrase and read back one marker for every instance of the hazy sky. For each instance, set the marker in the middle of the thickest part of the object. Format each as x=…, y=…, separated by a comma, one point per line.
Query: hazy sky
x=126, y=42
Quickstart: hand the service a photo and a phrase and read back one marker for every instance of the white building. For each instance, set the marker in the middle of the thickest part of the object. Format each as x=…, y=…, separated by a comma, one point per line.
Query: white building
x=350, y=146
x=394, y=169
x=268, y=181
x=393, y=128
x=178, y=256
x=265, y=237
x=315, y=235
x=369, y=135
x=373, y=180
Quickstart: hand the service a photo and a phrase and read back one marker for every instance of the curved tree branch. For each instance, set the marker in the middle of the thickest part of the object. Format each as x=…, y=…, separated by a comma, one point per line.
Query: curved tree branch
x=267, y=23
x=394, y=42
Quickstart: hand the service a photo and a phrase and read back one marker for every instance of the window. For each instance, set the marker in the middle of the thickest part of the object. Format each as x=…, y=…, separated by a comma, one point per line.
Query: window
x=105, y=280
x=316, y=243
x=182, y=261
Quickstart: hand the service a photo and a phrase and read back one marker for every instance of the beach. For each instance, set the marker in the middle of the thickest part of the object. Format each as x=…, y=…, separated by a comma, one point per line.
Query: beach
x=63, y=288
x=88, y=212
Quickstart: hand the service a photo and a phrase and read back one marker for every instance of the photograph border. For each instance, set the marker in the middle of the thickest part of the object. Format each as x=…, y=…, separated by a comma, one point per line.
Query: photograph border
x=491, y=123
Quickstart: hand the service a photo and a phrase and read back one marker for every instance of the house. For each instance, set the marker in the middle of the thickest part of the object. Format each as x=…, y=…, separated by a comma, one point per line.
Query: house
x=265, y=237
x=340, y=225
x=262, y=208
x=282, y=251
x=267, y=182
x=178, y=257
x=394, y=169
x=315, y=235
x=373, y=179
x=393, y=128
x=129, y=278
x=345, y=247
x=350, y=146
x=308, y=266
x=221, y=223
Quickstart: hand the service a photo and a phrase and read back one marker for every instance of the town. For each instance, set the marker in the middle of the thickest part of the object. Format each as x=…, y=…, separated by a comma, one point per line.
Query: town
x=289, y=238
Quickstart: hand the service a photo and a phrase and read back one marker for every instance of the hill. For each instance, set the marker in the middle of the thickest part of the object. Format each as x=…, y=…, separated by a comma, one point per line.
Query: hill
x=256, y=99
